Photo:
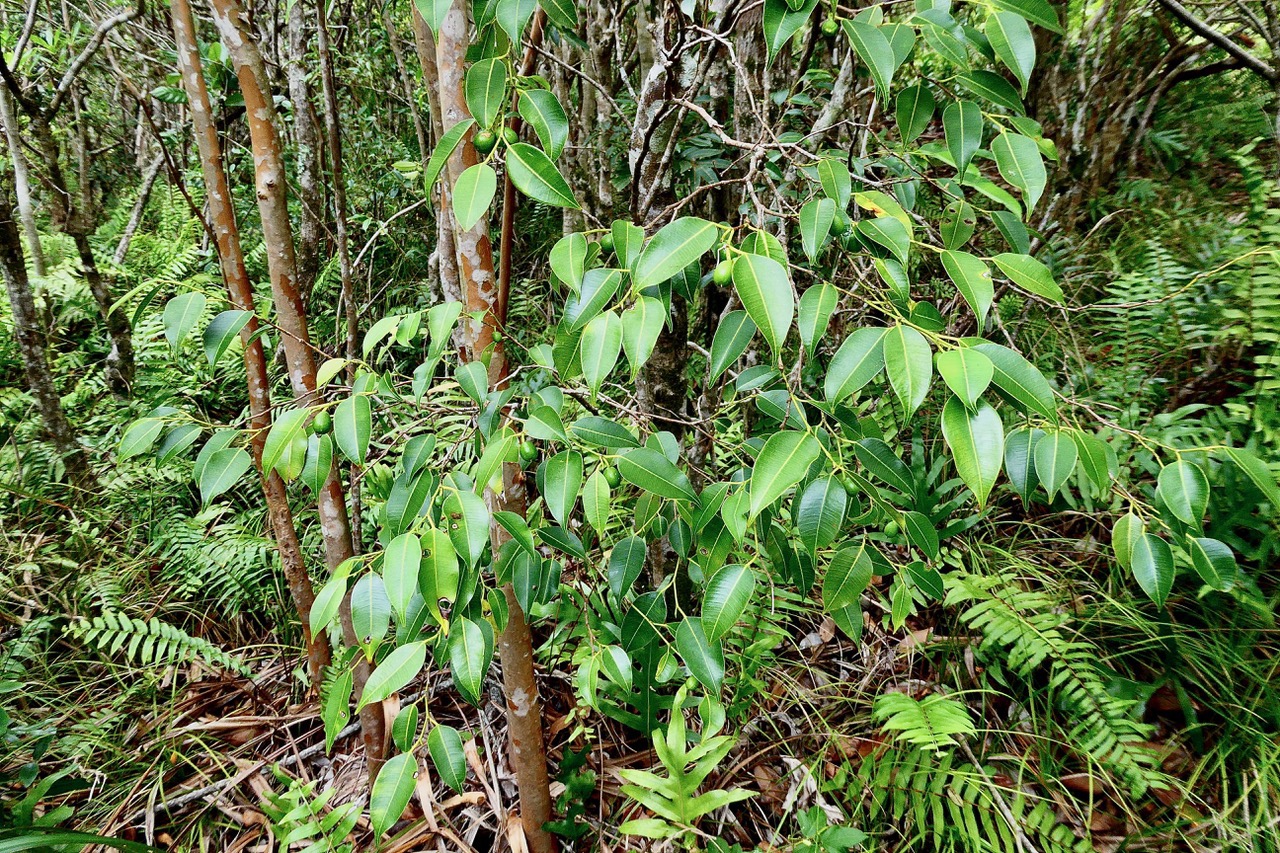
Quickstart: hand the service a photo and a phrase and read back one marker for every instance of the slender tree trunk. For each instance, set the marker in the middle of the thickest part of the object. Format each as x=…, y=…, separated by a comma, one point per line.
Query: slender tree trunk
x=306, y=136
x=139, y=208
x=240, y=291
x=406, y=83
x=269, y=177
x=21, y=182
x=33, y=348
x=475, y=265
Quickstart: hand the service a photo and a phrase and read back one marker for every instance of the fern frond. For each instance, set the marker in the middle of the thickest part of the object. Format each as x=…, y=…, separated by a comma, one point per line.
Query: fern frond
x=150, y=642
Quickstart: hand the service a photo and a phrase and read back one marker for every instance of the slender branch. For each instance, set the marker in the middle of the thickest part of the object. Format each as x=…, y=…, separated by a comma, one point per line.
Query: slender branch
x=1207, y=32
x=99, y=36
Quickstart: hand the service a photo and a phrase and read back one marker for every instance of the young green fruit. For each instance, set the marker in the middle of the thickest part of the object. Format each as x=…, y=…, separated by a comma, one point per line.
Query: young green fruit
x=528, y=451
x=322, y=423
x=612, y=477
x=839, y=223
x=830, y=27
x=484, y=141
x=606, y=242
x=723, y=273
x=509, y=136
x=892, y=528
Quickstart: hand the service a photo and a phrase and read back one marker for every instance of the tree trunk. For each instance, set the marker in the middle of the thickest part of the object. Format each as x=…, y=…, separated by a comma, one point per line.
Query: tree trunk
x=240, y=291
x=21, y=183
x=139, y=208
x=475, y=265
x=33, y=348
x=306, y=136
x=269, y=176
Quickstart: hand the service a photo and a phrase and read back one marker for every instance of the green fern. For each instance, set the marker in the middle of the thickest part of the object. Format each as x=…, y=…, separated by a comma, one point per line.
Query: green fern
x=150, y=642
x=1027, y=630
x=933, y=722
x=299, y=815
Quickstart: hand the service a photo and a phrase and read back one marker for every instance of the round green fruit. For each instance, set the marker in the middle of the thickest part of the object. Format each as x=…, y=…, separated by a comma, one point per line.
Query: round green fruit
x=606, y=242
x=322, y=423
x=830, y=27
x=723, y=273
x=510, y=136
x=839, y=223
x=484, y=141
x=892, y=528
x=849, y=486
x=612, y=477
x=528, y=451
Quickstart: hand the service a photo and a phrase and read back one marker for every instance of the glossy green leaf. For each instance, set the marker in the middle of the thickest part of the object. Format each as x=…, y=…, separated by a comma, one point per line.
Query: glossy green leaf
x=641, y=326
x=1185, y=491
x=875, y=52
x=470, y=652
x=1019, y=462
x=967, y=373
x=353, y=426
x=1214, y=563
x=602, y=432
x=1126, y=533
x=600, y=345
x=836, y=181
x=221, y=331
x=1019, y=161
x=766, y=293
x=370, y=609
x=976, y=439
x=473, y=193
x=859, y=360
x=401, y=564
x=1055, y=456
x=444, y=745
x=599, y=286
x=626, y=562
x=959, y=219
x=561, y=482
x=848, y=575
x=674, y=247
x=656, y=474
x=467, y=520
x=569, y=258
x=1153, y=567
x=908, y=363
x=817, y=304
x=595, y=502
x=486, y=89
x=783, y=461
x=1030, y=275
x=1097, y=459
x=563, y=13
x=782, y=21
x=962, y=123
x=1021, y=380
x=1038, y=12
x=536, y=176
x=181, y=315
x=879, y=458
x=704, y=658
x=889, y=232
x=815, y=225
x=725, y=598
x=223, y=470
x=921, y=533
x=1013, y=43
x=993, y=87
x=1257, y=471
x=731, y=340
x=391, y=792
x=913, y=110
x=972, y=278
x=140, y=437
x=396, y=670
x=819, y=513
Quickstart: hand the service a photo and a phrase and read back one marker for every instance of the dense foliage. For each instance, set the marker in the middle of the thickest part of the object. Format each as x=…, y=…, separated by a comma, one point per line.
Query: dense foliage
x=527, y=425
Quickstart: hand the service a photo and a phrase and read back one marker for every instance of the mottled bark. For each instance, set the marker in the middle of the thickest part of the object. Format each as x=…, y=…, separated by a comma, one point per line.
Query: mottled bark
x=240, y=292
x=139, y=208
x=21, y=182
x=480, y=286
x=33, y=349
x=291, y=319
x=306, y=138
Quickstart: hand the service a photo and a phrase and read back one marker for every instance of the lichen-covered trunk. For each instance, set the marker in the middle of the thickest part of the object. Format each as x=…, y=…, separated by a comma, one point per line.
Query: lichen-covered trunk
x=33, y=349
x=306, y=137
x=21, y=182
x=226, y=233
x=269, y=178
x=482, y=293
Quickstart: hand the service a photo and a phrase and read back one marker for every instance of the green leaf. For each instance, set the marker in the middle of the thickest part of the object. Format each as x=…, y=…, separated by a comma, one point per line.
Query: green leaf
x=391, y=792
x=370, y=609
x=967, y=373
x=848, y=575
x=438, y=572
x=1020, y=379
x=766, y=293
x=470, y=652
x=879, y=459
x=656, y=474
x=1125, y=534
x=1039, y=12
x=562, y=481
x=819, y=513
x=327, y=603
x=443, y=151
x=783, y=461
x=976, y=439
x=726, y=597
x=599, y=286
x=1257, y=471
x=973, y=280
x=444, y=745
x=486, y=90
x=352, y=427
x=473, y=193
x=704, y=658
x=569, y=259
x=815, y=225
x=467, y=518
x=1018, y=159
x=1019, y=463
x=1013, y=43
x=1055, y=457
x=836, y=181
x=993, y=87
x=396, y=670
x=221, y=472
x=858, y=361
x=626, y=562
x=601, y=342
x=731, y=340
x=563, y=13
x=913, y=110
x=433, y=12
x=544, y=424
x=927, y=579
x=285, y=449
x=782, y=21
x=921, y=533
x=595, y=502
x=888, y=231
x=473, y=378
x=1029, y=274
x=181, y=314
x=140, y=437
x=641, y=326
x=908, y=362
x=875, y=52
x=673, y=248
x=221, y=331
x=817, y=304
x=1153, y=567
x=176, y=441
x=513, y=16
x=602, y=432
x=536, y=176
x=628, y=242
x=401, y=565
x=962, y=123
x=1096, y=458
x=1185, y=491
x=1214, y=562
